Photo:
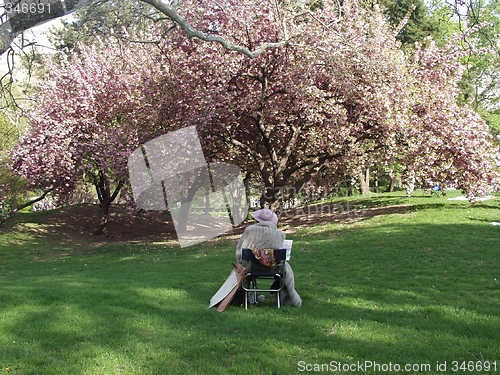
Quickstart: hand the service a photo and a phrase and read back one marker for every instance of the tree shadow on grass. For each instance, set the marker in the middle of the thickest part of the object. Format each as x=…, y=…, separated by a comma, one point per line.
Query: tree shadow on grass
x=360, y=209
x=76, y=224
x=167, y=335
x=415, y=298
x=407, y=293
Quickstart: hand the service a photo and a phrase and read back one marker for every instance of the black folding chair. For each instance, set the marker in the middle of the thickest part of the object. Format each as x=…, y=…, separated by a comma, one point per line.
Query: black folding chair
x=258, y=271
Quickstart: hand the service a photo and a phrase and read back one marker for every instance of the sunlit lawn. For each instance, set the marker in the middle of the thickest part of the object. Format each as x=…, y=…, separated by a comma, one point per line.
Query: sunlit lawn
x=417, y=287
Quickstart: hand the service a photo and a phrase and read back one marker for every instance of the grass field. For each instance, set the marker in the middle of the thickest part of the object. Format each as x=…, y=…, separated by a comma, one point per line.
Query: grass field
x=416, y=290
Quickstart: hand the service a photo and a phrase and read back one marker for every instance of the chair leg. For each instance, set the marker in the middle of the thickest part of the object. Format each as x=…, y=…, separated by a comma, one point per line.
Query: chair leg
x=251, y=283
x=255, y=293
x=245, y=293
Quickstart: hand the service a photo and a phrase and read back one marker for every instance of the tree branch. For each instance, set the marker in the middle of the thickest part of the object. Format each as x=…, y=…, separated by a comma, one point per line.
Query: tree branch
x=290, y=147
x=117, y=190
x=257, y=157
x=405, y=20
x=19, y=23
x=164, y=7
x=24, y=205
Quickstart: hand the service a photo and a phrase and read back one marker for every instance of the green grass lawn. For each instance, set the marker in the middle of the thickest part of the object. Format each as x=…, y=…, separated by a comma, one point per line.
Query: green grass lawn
x=419, y=287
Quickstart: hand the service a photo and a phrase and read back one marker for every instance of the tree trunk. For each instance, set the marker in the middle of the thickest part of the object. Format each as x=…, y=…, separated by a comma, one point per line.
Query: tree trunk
x=246, y=182
x=183, y=217
x=186, y=203
x=16, y=208
x=395, y=181
x=392, y=183
x=350, y=191
x=277, y=207
x=410, y=183
x=103, y=217
x=364, y=181
x=101, y=182
x=268, y=197
x=273, y=198
x=207, y=202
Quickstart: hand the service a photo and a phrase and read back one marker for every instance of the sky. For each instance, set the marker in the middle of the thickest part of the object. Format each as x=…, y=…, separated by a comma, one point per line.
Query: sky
x=37, y=34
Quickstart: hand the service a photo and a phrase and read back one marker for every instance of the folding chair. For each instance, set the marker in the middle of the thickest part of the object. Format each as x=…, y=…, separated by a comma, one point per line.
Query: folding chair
x=258, y=270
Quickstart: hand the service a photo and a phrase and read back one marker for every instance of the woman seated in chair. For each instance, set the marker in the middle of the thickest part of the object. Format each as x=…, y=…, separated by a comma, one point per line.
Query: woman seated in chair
x=265, y=235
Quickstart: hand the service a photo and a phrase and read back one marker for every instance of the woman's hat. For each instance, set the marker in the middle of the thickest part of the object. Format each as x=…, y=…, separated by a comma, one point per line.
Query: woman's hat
x=265, y=215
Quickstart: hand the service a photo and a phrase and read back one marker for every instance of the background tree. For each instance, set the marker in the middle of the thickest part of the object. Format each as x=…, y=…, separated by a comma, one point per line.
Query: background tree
x=481, y=79
x=14, y=21
x=340, y=97
x=455, y=144
x=492, y=118
x=421, y=22
x=10, y=184
x=85, y=123
x=102, y=19
x=14, y=192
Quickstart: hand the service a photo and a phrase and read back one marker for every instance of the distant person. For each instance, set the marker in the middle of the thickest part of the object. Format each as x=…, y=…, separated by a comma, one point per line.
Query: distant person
x=265, y=235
